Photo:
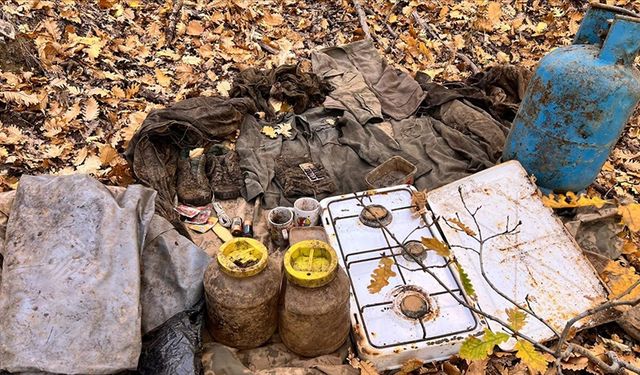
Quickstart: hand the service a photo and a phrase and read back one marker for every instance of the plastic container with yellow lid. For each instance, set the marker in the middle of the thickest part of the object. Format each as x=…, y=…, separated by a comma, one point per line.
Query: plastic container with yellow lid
x=241, y=291
x=314, y=312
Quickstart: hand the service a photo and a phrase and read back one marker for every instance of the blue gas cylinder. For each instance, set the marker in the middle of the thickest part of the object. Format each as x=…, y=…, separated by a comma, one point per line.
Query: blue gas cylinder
x=578, y=102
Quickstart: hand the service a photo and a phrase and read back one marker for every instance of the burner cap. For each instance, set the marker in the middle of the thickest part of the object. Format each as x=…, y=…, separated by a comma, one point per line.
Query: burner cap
x=415, y=248
x=414, y=306
x=375, y=216
x=413, y=303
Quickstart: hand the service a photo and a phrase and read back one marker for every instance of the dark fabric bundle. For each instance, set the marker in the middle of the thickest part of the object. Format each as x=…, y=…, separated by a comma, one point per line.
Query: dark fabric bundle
x=286, y=83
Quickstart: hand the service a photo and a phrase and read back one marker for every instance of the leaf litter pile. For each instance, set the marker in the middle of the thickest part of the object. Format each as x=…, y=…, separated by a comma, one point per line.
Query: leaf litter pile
x=77, y=79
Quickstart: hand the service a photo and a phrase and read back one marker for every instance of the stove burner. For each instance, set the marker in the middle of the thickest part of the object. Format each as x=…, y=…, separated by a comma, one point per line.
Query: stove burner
x=413, y=303
x=415, y=248
x=414, y=307
x=375, y=216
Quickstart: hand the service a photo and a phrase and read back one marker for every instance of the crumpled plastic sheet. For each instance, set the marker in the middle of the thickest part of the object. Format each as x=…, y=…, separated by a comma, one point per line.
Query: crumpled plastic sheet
x=70, y=294
x=171, y=275
x=174, y=347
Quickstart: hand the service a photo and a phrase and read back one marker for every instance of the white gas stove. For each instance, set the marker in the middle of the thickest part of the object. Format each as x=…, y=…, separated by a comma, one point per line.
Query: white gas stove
x=416, y=317
x=413, y=316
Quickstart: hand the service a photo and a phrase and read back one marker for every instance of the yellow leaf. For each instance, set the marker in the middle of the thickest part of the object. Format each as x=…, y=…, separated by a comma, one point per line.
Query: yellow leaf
x=433, y=244
x=107, y=154
x=466, y=281
x=91, y=109
x=571, y=200
x=195, y=28
x=516, y=318
x=223, y=87
x=285, y=130
x=409, y=366
x=619, y=279
x=462, y=226
x=269, y=131
x=534, y=360
x=419, y=201
x=540, y=27
x=162, y=78
x=630, y=216
x=474, y=349
x=380, y=276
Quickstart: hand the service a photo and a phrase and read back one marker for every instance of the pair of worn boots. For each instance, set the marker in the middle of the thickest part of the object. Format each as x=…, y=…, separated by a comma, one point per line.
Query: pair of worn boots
x=201, y=178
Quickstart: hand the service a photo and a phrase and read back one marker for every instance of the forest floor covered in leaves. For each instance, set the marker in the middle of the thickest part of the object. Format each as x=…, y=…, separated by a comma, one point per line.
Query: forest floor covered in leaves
x=79, y=77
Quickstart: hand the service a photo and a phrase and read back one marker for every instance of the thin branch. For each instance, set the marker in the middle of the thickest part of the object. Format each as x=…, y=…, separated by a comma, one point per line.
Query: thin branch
x=362, y=16
x=589, y=312
x=616, y=366
x=174, y=17
x=468, y=61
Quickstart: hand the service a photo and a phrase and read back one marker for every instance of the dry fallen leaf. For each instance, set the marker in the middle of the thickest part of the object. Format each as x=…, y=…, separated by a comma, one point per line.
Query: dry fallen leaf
x=381, y=275
x=571, y=200
x=195, y=28
x=630, y=216
x=107, y=154
x=223, y=87
x=436, y=245
x=269, y=131
x=619, y=279
x=91, y=109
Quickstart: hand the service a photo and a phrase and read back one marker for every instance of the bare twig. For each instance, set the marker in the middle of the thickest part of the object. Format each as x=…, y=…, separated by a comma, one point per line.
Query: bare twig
x=435, y=35
x=174, y=17
x=467, y=60
x=362, y=16
x=481, y=241
x=616, y=366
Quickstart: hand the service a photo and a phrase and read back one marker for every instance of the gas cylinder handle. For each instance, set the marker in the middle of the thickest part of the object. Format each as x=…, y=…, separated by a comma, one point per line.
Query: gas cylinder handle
x=597, y=21
x=623, y=41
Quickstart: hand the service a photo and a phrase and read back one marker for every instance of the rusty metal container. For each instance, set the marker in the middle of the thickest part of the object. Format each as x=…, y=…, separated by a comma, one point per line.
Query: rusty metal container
x=241, y=292
x=578, y=102
x=314, y=310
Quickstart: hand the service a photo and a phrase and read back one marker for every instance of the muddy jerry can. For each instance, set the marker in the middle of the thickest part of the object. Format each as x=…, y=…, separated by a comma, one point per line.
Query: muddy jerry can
x=241, y=292
x=314, y=306
x=578, y=102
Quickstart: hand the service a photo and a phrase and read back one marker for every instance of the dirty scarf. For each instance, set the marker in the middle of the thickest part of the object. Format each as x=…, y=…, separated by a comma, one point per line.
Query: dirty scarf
x=286, y=83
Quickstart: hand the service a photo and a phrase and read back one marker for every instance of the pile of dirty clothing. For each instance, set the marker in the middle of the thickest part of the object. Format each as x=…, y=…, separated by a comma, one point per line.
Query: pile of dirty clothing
x=350, y=114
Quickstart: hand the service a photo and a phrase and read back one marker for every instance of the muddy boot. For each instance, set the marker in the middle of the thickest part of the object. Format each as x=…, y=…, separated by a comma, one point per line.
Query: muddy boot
x=192, y=182
x=224, y=174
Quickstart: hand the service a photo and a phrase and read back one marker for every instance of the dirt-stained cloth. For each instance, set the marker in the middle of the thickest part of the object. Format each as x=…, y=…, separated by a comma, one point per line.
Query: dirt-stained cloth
x=154, y=150
x=365, y=85
x=498, y=90
x=272, y=359
x=286, y=83
x=454, y=135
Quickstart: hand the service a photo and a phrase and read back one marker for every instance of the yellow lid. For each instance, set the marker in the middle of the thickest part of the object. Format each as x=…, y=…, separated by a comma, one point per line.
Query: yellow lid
x=242, y=257
x=310, y=263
